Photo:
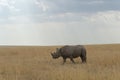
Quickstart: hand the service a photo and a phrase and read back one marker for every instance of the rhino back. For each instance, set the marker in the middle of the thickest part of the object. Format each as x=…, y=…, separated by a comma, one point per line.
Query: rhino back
x=74, y=51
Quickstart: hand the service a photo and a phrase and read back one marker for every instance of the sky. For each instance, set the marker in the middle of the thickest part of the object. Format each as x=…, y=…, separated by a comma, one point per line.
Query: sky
x=59, y=22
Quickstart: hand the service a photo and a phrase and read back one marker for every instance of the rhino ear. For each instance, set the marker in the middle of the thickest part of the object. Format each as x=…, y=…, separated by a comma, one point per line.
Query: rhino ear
x=60, y=50
x=57, y=49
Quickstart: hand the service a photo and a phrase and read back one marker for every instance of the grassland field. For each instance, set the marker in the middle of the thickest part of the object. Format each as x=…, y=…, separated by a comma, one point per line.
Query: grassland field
x=36, y=63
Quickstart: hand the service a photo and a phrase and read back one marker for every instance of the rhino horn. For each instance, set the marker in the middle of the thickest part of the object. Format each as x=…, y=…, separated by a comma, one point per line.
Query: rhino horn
x=51, y=53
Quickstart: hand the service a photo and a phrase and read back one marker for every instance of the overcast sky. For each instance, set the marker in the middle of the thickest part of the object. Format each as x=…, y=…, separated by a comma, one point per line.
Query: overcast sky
x=59, y=22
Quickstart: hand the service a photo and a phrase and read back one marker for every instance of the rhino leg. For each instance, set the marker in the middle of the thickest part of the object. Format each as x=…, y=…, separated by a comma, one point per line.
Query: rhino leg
x=83, y=58
x=64, y=60
x=71, y=58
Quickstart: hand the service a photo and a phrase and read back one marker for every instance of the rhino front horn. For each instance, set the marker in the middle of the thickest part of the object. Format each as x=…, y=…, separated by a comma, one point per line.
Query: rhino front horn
x=51, y=53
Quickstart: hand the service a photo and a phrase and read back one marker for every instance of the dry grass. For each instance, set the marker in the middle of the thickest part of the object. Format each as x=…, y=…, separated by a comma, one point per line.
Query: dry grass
x=35, y=63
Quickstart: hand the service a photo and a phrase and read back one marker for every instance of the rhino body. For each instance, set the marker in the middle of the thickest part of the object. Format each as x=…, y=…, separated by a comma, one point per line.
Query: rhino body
x=70, y=52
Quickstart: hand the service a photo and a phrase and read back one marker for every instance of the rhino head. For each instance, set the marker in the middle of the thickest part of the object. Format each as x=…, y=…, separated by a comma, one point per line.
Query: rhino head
x=56, y=54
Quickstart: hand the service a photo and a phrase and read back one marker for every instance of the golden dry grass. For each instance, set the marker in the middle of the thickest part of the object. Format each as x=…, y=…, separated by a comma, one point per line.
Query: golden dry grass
x=36, y=63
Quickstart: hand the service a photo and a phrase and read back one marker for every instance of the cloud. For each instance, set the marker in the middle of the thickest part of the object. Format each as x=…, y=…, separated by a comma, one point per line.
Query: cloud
x=59, y=21
x=42, y=5
x=4, y=3
x=8, y=4
x=101, y=27
x=19, y=34
x=89, y=6
x=89, y=2
x=108, y=18
x=20, y=19
x=60, y=8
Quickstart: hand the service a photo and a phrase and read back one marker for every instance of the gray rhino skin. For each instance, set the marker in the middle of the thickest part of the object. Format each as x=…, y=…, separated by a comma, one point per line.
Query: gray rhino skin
x=70, y=52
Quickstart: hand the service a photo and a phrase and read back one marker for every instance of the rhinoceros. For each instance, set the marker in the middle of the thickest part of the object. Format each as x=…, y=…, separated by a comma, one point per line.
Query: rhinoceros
x=70, y=52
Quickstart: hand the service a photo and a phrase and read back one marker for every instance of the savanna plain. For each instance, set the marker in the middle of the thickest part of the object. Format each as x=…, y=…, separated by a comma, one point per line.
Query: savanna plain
x=36, y=63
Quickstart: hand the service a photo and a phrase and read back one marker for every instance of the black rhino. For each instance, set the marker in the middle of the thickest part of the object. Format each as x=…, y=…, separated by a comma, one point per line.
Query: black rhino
x=70, y=52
